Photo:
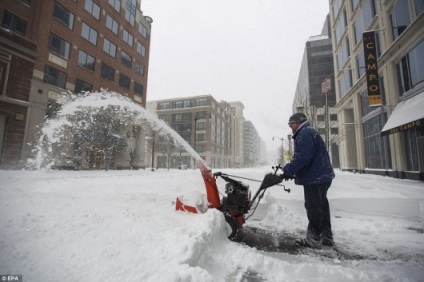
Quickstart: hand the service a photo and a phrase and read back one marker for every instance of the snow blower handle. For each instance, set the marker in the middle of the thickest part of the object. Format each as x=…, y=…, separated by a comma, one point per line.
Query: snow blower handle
x=276, y=168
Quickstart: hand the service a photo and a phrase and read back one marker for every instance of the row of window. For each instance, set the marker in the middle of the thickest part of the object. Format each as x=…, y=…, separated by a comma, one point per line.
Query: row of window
x=183, y=104
x=87, y=32
x=58, y=78
x=411, y=69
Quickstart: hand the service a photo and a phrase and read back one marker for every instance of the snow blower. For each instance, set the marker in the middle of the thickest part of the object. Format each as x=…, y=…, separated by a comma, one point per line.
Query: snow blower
x=237, y=206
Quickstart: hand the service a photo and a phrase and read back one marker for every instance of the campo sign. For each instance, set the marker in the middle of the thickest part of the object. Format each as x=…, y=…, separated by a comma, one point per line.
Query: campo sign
x=371, y=70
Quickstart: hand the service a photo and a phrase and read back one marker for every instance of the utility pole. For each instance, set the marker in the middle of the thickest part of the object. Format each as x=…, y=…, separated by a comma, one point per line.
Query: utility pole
x=325, y=90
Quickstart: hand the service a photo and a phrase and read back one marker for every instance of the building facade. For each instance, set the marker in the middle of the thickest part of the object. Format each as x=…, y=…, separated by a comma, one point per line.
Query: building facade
x=252, y=145
x=386, y=137
x=217, y=131
x=316, y=67
x=204, y=123
x=75, y=46
x=237, y=109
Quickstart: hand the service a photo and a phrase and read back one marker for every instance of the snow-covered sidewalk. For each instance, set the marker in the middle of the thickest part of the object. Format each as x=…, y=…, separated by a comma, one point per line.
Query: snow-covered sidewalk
x=122, y=226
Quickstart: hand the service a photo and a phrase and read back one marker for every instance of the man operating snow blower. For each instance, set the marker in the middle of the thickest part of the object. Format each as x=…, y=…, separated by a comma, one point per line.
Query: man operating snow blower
x=311, y=167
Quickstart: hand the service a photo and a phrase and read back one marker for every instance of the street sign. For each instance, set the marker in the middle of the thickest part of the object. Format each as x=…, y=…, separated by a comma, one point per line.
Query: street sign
x=326, y=85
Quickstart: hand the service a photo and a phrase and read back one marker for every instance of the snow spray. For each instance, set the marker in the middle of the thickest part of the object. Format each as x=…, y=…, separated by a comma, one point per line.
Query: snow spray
x=73, y=106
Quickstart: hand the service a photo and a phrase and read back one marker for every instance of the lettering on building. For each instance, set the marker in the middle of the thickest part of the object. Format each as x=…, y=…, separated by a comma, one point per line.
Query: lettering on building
x=371, y=69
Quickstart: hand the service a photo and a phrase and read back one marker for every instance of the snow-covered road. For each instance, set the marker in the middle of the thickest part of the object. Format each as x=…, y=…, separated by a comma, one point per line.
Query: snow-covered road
x=122, y=226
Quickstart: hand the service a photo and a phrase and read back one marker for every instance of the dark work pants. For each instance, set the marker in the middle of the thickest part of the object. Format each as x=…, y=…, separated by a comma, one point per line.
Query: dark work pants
x=318, y=211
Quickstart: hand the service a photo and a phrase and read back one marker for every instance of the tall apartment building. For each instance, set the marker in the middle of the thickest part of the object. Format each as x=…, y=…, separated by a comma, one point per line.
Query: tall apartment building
x=388, y=137
x=252, y=145
x=317, y=65
x=51, y=46
x=237, y=109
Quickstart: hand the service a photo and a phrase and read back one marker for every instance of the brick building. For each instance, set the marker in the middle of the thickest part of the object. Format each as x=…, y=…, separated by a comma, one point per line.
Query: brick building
x=48, y=47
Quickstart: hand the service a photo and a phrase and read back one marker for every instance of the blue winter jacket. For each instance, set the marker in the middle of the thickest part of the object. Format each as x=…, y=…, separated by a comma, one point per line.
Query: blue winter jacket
x=310, y=162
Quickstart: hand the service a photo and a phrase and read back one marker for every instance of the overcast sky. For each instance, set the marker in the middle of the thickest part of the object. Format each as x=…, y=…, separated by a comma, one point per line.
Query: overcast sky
x=235, y=50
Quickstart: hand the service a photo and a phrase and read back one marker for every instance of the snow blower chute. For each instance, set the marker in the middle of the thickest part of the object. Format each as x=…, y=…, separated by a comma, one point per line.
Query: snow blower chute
x=237, y=206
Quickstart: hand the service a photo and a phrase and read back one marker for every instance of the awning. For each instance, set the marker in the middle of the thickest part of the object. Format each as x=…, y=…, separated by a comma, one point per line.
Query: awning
x=408, y=114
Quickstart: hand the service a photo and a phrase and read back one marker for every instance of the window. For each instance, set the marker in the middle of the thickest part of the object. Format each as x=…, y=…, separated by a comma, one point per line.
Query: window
x=89, y=33
x=112, y=24
x=82, y=86
x=142, y=29
x=182, y=117
x=107, y=72
x=164, y=105
x=109, y=48
x=354, y=4
x=201, y=115
x=54, y=77
x=341, y=27
x=368, y=12
x=139, y=68
x=333, y=117
x=92, y=8
x=178, y=105
x=411, y=69
x=419, y=7
x=130, y=11
x=201, y=102
x=126, y=59
x=360, y=64
x=412, y=152
x=200, y=137
x=187, y=104
x=59, y=46
x=124, y=81
x=128, y=38
x=138, y=89
x=63, y=15
x=399, y=18
x=376, y=147
x=200, y=125
x=141, y=49
x=86, y=61
x=345, y=82
x=116, y=4
x=343, y=54
x=334, y=130
x=359, y=27
x=14, y=23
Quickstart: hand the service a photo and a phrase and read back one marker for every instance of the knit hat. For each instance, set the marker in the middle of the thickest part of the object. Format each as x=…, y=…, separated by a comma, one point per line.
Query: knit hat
x=298, y=117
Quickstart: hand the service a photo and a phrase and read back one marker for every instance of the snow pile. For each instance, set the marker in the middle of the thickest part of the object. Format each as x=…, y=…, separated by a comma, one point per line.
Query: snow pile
x=122, y=225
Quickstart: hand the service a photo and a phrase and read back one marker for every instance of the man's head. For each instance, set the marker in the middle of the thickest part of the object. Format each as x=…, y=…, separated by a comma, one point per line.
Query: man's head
x=296, y=120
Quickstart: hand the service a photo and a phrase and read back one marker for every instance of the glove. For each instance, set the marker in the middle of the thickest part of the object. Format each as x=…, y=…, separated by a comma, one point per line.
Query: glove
x=286, y=177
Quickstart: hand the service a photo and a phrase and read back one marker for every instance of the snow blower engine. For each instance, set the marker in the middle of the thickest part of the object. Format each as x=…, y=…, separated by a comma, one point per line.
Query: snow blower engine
x=238, y=196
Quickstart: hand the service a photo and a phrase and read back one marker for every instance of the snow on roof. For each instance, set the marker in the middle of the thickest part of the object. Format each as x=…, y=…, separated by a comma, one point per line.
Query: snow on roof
x=317, y=37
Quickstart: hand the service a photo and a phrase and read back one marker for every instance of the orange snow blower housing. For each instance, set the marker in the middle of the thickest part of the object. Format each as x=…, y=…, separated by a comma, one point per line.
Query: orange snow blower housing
x=212, y=193
x=238, y=203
